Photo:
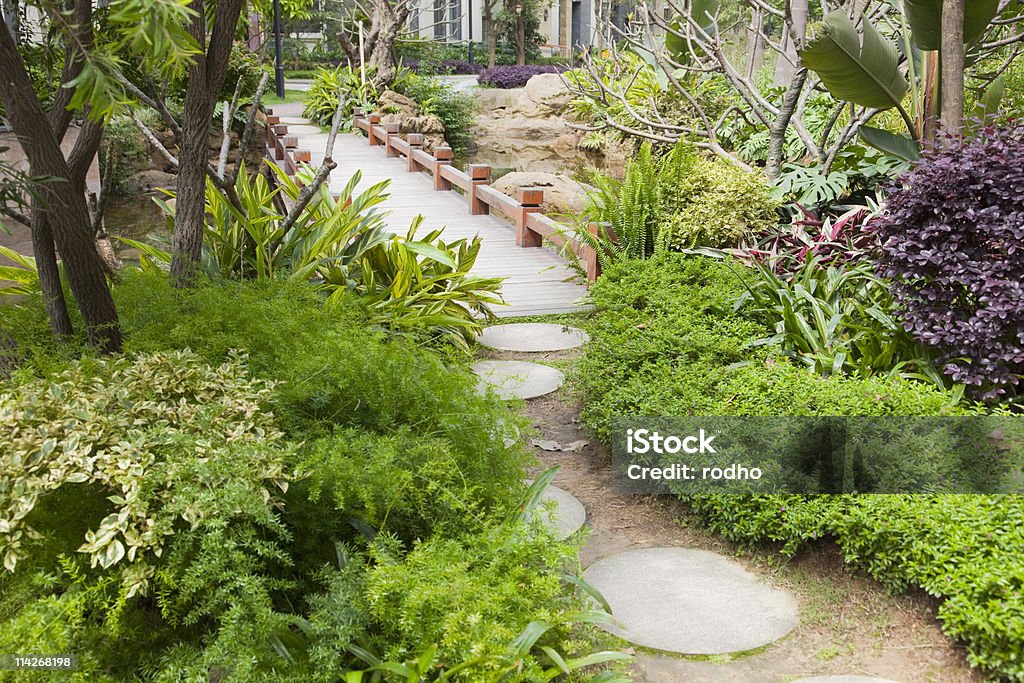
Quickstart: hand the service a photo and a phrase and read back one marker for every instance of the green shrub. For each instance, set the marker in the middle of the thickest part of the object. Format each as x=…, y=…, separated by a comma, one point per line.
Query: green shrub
x=329, y=86
x=666, y=340
x=454, y=109
x=708, y=202
x=402, y=474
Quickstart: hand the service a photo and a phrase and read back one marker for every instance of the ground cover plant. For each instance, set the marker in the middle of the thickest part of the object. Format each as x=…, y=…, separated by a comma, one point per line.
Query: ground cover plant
x=341, y=471
x=668, y=339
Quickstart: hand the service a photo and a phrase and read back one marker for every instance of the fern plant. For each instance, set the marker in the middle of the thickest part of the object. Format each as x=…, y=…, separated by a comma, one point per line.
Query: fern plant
x=626, y=212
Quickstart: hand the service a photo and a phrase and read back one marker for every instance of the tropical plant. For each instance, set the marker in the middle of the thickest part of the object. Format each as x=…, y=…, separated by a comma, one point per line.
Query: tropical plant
x=20, y=278
x=342, y=244
x=950, y=241
x=626, y=212
x=865, y=68
x=341, y=83
x=411, y=284
x=835, y=319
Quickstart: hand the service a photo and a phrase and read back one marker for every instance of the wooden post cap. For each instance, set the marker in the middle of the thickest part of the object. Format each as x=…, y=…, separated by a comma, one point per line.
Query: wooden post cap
x=374, y=118
x=443, y=153
x=391, y=128
x=273, y=120
x=281, y=129
x=269, y=111
x=291, y=141
x=479, y=171
x=531, y=196
x=357, y=111
x=415, y=139
x=303, y=155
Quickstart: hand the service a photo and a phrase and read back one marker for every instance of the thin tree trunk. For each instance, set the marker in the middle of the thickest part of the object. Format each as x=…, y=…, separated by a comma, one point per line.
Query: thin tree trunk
x=49, y=273
x=490, y=32
x=952, y=94
x=565, y=26
x=755, y=44
x=205, y=80
x=777, y=133
x=66, y=211
x=520, y=29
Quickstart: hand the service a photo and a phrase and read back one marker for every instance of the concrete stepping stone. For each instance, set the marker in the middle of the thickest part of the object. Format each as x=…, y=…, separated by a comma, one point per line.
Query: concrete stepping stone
x=568, y=517
x=532, y=337
x=516, y=378
x=691, y=602
x=844, y=679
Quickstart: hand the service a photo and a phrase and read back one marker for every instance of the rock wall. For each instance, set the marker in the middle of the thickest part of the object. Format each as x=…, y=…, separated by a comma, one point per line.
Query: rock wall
x=523, y=129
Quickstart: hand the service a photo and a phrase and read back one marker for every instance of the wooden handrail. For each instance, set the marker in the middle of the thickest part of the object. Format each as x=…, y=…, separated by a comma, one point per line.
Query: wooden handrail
x=532, y=226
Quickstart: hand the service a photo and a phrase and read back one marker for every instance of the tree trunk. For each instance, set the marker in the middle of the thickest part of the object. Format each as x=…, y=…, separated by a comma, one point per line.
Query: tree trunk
x=565, y=26
x=755, y=44
x=49, y=274
x=490, y=32
x=777, y=133
x=952, y=93
x=792, y=40
x=205, y=80
x=66, y=212
x=520, y=31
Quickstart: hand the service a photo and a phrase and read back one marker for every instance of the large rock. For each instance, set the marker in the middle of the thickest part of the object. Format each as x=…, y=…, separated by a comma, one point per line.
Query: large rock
x=391, y=102
x=562, y=194
x=544, y=95
x=394, y=107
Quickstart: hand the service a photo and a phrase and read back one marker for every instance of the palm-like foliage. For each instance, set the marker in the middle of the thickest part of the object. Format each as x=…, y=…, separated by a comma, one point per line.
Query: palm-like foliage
x=626, y=212
x=409, y=283
x=835, y=319
x=22, y=277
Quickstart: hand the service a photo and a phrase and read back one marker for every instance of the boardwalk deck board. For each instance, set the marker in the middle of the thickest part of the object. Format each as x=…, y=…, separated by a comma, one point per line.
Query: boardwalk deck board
x=538, y=281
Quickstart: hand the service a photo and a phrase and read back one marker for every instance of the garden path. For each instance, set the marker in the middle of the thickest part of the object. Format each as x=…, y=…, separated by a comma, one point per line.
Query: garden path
x=729, y=617
x=537, y=281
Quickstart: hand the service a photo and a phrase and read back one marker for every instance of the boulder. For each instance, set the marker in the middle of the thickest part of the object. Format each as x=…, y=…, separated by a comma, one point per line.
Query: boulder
x=562, y=194
x=153, y=179
x=430, y=126
x=391, y=102
x=544, y=95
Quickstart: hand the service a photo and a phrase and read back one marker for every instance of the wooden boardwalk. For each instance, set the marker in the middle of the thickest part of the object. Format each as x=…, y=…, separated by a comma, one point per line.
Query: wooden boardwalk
x=537, y=280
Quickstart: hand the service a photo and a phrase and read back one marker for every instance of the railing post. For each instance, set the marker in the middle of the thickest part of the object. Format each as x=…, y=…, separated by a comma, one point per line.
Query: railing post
x=390, y=133
x=374, y=120
x=593, y=263
x=531, y=199
x=415, y=145
x=479, y=174
x=442, y=157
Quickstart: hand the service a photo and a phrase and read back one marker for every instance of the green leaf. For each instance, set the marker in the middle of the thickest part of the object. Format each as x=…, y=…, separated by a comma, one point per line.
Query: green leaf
x=925, y=18
x=891, y=143
x=865, y=73
x=988, y=105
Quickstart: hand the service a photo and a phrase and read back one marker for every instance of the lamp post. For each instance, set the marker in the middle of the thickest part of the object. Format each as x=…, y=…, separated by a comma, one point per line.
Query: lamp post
x=278, y=63
x=470, y=2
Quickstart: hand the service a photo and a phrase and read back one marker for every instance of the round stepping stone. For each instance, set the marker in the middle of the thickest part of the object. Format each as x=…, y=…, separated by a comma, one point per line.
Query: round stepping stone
x=568, y=516
x=531, y=337
x=844, y=679
x=691, y=602
x=516, y=378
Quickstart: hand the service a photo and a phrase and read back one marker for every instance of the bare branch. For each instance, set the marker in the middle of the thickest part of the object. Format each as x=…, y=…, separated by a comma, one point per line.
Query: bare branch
x=250, y=125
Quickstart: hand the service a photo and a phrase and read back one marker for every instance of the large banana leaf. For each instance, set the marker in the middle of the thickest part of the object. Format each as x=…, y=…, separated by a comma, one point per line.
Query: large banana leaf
x=891, y=143
x=866, y=74
x=925, y=17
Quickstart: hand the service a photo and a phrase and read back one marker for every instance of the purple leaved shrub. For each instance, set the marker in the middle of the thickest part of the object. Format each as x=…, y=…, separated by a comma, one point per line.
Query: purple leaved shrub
x=952, y=242
x=515, y=76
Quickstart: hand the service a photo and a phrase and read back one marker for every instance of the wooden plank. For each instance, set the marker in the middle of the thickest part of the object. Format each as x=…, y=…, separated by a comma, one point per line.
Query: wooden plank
x=499, y=200
x=456, y=177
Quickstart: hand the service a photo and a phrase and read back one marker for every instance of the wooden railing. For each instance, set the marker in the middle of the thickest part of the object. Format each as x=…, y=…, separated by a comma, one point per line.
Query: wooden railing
x=282, y=147
x=524, y=211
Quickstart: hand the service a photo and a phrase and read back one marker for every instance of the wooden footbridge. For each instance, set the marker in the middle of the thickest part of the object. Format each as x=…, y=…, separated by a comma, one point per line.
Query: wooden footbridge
x=512, y=231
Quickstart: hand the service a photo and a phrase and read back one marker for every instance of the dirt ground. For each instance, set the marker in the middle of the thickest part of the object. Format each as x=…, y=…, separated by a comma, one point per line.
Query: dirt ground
x=849, y=624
